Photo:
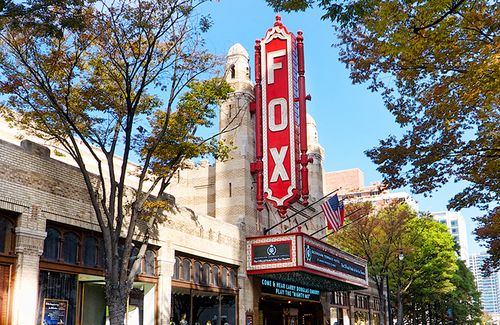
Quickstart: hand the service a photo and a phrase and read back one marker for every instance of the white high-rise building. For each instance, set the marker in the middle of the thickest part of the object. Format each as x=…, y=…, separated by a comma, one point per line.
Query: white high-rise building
x=455, y=222
x=489, y=286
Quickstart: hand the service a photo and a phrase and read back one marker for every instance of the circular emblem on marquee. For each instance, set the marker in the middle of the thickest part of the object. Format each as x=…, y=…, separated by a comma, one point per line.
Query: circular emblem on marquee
x=271, y=250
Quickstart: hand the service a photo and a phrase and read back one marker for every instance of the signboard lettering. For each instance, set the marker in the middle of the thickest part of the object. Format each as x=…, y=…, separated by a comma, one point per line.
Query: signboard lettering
x=54, y=312
x=280, y=120
x=274, y=252
x=323, y=258
x=289, y=290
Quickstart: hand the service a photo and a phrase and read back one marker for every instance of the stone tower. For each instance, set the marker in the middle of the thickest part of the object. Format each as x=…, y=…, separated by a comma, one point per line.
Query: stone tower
x=235, y=191
x=316, y=152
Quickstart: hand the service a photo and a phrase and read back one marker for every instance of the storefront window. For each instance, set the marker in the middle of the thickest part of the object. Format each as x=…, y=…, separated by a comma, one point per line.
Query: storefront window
x=202, y=308
x=360, y=318
x=228, y=310
x=208, y=298
x=57, y=288
x=205, y=308
x=181, y=309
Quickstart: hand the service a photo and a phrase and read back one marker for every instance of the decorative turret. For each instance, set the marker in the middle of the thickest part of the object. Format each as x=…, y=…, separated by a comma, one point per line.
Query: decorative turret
x=316, y=152
x=237, y=71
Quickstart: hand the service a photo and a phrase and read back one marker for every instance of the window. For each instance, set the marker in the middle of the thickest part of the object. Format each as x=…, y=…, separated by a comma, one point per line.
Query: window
x=51, y=245
x=361, y=301
x=197, y=272
x=205, y=276
x=454, y=223
x=340, y=298
x=224, y=277
x=90, y=251
x=233, y=71
x=70, y=248
x=200, y=272
x=177, y=267
x=232, y=279
x=85, y=248
x=6, y=235
x=215, y=276
x=149, y=262
x=186, y=269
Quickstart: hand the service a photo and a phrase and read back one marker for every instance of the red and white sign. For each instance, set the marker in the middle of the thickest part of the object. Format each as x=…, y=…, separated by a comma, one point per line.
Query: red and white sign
x=278, y=117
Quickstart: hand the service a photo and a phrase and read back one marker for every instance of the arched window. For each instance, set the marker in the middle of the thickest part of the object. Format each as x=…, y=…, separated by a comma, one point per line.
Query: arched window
x=177, y=267
x=51, y=245
x=215, y=276
x=233, y=71
x=205, y=276
x=186, y=269
x=232, y=279
x=6, y=235
x=133, y=256
x=90, y=251
x=224, y=277
x=197, y=272
x=70, y=247
x=101, y=254
x=149, y=262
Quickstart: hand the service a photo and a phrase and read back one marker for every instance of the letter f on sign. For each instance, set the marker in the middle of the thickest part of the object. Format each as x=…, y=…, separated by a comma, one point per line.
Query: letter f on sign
x=271, y=65
x=279, y=168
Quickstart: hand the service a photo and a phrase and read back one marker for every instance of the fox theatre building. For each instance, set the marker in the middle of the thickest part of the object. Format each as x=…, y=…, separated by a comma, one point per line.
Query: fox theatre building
x=292, y=273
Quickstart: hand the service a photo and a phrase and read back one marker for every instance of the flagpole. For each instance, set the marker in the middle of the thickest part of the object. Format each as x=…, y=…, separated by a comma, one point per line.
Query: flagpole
x=319, y=230
x=302, y=222
x=266, y=230
x=350, y=223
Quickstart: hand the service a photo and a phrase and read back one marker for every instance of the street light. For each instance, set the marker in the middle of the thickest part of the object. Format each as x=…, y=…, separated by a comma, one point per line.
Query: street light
x=400, y=300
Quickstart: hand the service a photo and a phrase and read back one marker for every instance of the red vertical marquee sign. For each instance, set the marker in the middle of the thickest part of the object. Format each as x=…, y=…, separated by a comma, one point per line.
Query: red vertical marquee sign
x=281, y=138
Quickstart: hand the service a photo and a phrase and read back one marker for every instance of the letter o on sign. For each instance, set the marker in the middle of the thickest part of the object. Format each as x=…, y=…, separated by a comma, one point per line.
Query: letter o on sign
x=272, y=116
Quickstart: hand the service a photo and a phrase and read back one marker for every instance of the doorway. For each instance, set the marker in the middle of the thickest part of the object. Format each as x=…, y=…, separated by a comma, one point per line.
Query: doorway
x=289, y=312
x=5, y=274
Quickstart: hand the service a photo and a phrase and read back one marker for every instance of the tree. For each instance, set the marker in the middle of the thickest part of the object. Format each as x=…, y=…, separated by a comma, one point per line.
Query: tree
x=376, y=238
x=418, y=256
x=436, y=65
x=488, y=230
x=113, y=79
x=428, y=270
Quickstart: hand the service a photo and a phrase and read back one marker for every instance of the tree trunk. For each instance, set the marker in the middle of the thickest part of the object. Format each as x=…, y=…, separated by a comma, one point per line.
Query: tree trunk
x=116, y=299
x=383, y=301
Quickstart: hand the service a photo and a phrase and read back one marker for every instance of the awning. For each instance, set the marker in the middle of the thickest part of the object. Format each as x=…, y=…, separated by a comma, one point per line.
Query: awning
x=300, y=259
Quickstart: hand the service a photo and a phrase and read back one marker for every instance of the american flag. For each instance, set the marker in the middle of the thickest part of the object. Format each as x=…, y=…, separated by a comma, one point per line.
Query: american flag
x=334, y=212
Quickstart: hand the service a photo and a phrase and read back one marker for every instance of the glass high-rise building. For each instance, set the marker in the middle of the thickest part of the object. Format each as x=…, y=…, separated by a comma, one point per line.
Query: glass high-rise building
x=489, y=286
x=455, y=223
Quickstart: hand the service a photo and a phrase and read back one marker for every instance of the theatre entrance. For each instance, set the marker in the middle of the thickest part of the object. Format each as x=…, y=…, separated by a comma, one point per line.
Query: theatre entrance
x=274, y=311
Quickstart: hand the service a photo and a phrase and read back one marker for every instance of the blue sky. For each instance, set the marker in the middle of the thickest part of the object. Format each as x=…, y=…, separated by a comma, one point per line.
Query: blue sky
x=350, y=118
